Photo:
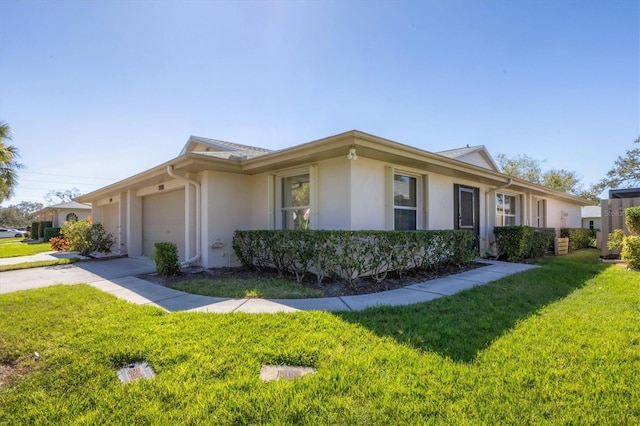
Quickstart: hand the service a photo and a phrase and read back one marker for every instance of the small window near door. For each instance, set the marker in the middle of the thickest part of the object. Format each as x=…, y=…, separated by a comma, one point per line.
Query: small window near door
x=505, y=210
x=591, y=224
x=295, y=202
x=72, y=217
x=405, y=202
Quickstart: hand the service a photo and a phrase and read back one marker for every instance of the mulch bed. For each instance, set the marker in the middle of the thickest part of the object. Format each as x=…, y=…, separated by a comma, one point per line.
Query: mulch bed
x=330, y=288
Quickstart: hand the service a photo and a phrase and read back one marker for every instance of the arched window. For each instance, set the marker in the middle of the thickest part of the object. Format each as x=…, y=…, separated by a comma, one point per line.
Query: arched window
x=72, y=217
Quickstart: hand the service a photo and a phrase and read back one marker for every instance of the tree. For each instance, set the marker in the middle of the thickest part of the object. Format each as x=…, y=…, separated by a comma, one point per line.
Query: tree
x=18, y=215
x=8, y=163
x=625, y=172
x=56, y=197
x=530, y=169
x=522, y=167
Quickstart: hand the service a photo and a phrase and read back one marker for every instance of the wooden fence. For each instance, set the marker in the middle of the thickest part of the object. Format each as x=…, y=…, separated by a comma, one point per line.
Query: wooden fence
x=613, y=217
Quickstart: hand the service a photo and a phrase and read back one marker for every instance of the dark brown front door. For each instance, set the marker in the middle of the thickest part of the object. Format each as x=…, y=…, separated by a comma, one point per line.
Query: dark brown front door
x=467, y=209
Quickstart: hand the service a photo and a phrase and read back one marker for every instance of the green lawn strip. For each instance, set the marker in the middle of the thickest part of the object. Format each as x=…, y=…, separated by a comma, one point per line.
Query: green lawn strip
x=267, y=288
x=573, y=359
x=16, y=247
x=38, y=264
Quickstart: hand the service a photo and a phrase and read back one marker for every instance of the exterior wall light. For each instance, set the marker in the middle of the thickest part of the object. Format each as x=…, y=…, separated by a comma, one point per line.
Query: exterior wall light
x=352, y=154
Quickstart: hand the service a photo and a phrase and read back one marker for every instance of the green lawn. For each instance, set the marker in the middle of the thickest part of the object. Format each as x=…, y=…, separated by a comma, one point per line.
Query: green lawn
x=38, y=264
x=265, y=288
x=556, y=345
x=12, y=247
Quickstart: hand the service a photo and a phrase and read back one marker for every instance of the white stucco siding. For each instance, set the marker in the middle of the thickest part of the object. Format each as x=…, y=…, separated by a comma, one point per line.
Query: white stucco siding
x=334, y=192
x=163, y=220
x=63, y=213
x=441, y=201
x=368, y=194
x=228, y=208
x=110, y=219
x=563, y=215
x=259, y=193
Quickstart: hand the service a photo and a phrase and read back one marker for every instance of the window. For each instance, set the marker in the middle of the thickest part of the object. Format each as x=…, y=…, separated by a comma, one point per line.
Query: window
x=295, y=202
x=72, y=217
x=405, y=204
x=591, y=224
x=505, y=210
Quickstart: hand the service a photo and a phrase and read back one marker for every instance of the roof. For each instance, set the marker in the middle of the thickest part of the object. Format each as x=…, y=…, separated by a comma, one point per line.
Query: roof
x=460, y=153
x=243, y=159
x=67, y=205
x=221, y=149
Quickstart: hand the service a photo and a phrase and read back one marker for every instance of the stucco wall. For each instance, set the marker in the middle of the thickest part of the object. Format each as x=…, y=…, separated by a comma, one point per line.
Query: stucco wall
x=555, y=216
x=334, y=192
x=368, y=195
x=227, y=208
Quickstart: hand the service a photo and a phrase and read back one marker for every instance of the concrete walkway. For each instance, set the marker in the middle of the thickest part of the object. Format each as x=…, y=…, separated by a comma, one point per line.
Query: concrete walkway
x=117, y=277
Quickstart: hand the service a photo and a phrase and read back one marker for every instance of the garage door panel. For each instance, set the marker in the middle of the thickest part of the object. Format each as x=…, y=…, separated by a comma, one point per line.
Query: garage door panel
x=163, y=221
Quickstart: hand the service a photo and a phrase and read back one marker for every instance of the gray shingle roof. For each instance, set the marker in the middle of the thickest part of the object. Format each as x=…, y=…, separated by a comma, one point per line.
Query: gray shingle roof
x=226, y=149
x=459, y=152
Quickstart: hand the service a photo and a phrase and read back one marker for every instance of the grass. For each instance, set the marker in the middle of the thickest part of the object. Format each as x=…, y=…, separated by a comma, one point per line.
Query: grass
x=565, y=351
x=38, y=264
x=266, y=288
x=13, y=247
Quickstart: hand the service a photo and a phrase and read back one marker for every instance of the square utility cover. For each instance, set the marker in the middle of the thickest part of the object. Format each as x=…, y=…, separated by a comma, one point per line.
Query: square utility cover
x=135, y=371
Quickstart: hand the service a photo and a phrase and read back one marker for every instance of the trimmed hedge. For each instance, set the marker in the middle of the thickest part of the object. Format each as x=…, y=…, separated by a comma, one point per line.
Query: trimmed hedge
x=51, y=233
x=579, y=238
x=631, y=251
x=35, y=229
x=42, y=227
x=632, y=219
x=522, y=242
x=352, y=254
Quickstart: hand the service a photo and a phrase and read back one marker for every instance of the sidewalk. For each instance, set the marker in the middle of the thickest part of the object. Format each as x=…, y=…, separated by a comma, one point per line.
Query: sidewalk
x=117, y=277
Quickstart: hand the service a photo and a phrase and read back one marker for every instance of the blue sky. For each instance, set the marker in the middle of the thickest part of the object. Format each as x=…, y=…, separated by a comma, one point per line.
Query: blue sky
x=97, y=91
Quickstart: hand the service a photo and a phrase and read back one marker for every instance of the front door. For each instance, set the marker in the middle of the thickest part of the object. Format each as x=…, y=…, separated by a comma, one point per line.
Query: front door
x=467, y=210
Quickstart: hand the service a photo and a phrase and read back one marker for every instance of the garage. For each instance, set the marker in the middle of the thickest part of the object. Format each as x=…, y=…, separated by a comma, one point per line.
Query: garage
x=163, y=221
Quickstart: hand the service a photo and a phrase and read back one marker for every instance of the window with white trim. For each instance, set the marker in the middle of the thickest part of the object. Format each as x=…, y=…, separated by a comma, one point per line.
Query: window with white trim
x=296, y=206
x=405, y=202
x=506, y=207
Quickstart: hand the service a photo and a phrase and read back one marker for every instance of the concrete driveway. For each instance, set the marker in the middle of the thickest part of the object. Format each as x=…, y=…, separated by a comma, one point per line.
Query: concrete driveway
x=89, y=272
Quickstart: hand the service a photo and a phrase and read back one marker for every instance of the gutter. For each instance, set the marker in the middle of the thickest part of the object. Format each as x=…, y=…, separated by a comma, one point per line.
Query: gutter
x=187, y=230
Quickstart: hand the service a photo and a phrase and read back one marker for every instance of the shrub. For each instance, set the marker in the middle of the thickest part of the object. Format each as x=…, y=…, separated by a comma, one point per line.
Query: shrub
x=42, y=227
x=578, y=237
x=631, y=251
x=86, y=237
x=352, y=254
x=615, y=239
x=50, y=233
x=521, y=242
x=34, y=229
x=539, y=243
x=165, y=255
x=59, y=243
x=632, y=219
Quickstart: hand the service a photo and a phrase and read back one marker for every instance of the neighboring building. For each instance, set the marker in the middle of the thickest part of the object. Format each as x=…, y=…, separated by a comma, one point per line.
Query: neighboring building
x=352, y=180
x=612, y=212
x=59, y=213
x=591, y=217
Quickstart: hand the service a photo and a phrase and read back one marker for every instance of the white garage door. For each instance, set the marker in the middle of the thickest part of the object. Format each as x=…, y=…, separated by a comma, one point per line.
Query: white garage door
x=163, y=221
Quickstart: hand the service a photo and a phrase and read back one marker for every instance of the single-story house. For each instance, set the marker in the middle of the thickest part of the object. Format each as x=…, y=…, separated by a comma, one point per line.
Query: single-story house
x=591, y=217
x=59, y=213
x=349, y=181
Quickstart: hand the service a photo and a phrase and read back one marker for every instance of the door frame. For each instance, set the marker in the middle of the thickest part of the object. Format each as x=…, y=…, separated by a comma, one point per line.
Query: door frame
x=457, y=212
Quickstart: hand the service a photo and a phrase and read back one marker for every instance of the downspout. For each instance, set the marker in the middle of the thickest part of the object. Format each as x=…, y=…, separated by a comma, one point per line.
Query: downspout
x=486, y=208
x=187, y=230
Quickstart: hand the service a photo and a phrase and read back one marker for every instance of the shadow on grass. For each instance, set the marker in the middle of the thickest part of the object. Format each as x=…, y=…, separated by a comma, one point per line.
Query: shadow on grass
x=464, y=324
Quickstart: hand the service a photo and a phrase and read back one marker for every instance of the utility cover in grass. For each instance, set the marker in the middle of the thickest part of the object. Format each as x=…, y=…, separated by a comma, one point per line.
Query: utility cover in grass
x=135, y=371
x=287, y=372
